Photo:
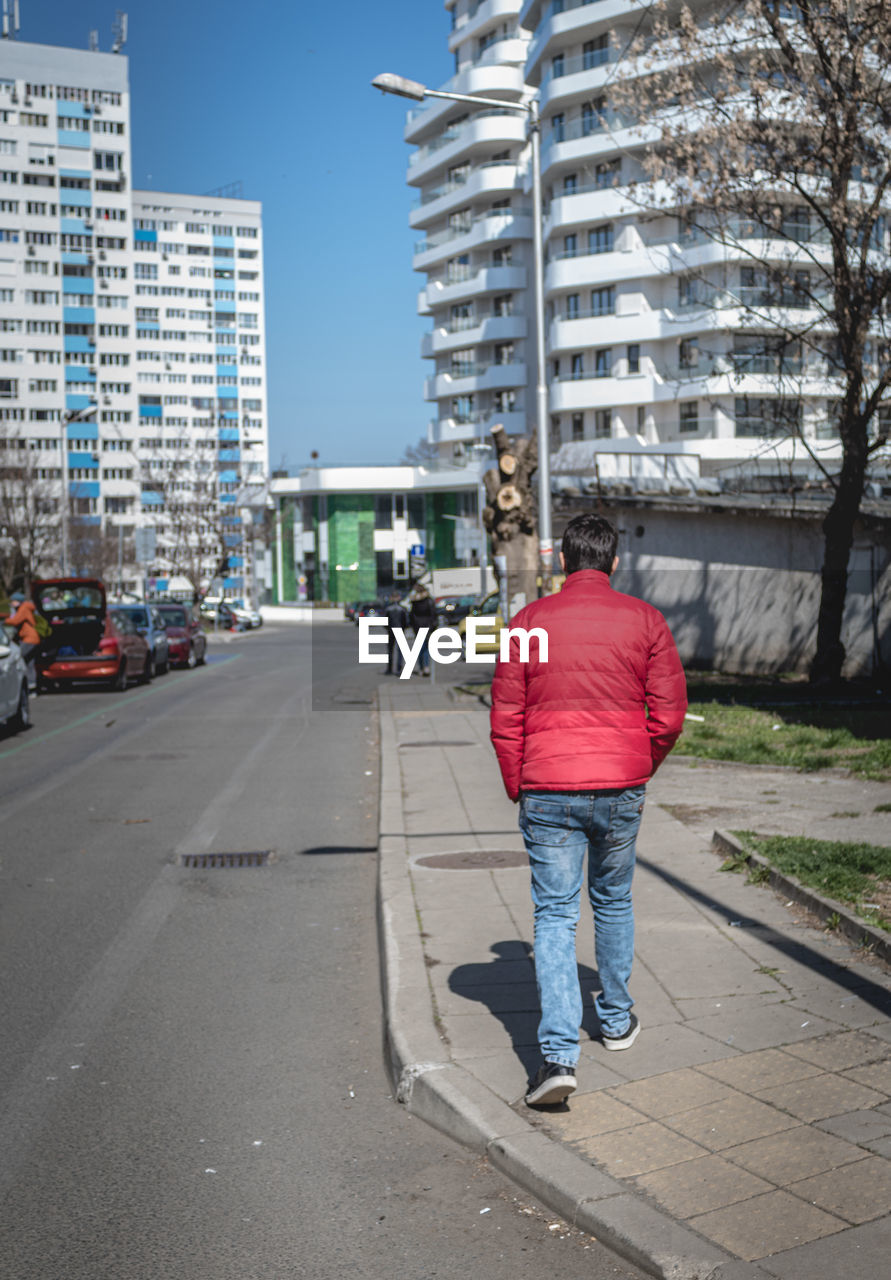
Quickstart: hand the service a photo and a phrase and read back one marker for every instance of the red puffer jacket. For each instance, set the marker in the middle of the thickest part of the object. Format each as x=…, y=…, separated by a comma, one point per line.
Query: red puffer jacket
x=605, y=709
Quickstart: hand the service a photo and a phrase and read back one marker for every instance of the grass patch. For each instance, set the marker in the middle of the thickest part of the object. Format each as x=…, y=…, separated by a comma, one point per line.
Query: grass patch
x=856, y=873
x=809, y=737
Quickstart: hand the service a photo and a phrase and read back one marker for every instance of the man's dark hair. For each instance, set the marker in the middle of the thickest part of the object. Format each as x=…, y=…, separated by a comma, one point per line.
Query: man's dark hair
x=589, y=542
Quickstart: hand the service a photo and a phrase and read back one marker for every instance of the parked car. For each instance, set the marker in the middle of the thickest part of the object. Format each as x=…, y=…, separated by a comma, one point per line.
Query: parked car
x=15, y=709
x=451, y=609
x=187, y=643
x=370, y=609
x=149, y=623
x=86, y=642
x=249, y=617
x=221, y=614
x=488, y=639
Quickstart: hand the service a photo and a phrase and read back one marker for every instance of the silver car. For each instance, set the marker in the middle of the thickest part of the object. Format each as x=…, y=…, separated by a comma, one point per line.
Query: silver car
x=15, y=709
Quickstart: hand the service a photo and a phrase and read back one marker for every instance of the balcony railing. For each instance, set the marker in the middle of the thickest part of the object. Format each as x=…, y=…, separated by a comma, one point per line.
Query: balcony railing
x=453, y=133
x=477, y=369
x=559, y=67
x=585, y=126
x=439, y=238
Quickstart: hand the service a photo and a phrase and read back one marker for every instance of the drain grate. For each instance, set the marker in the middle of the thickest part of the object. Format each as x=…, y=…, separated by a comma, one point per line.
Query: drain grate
x=474, y=860
x=214, y=861
x=442, y=742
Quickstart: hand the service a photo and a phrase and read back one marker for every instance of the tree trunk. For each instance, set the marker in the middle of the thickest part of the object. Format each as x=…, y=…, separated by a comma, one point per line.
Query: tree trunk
x=511, y=515
x=838, y=538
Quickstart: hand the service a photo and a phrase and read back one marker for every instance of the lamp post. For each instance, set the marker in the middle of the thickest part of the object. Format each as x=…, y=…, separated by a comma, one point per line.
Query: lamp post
x=404, y=88
x=74, y=415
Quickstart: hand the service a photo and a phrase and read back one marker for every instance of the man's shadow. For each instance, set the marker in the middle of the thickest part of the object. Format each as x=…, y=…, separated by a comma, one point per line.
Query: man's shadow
x=506, y=986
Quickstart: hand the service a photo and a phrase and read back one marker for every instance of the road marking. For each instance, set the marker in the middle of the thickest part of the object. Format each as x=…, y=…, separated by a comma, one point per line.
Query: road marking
x=102, y=711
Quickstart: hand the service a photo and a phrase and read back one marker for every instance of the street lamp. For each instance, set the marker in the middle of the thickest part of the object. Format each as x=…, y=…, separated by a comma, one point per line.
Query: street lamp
x=74, y=415
x=404, y=88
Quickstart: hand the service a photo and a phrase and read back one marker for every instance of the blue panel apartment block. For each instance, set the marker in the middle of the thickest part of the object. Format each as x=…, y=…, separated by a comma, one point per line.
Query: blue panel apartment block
x=232, y=584
x=73, y=227
x=79, y=373
x=236, y=562
x=77, y=284
x=75, y=173
x=74, y=259
x=78, y=402
x=79, y=315
x=82, y=460
x=224, y=242
x=227, y=433
x=84, y=488
x=227, y=477
x=230, y=455
x=151, y=411
x=77, y=110
x=161, y=584
x=227, y=497
x=232, y=539
x=83, y=431
x=149, y=237
x=150, y=499
x=224, y=304
x=73, y=138
x=77, y=342
x=231, y=414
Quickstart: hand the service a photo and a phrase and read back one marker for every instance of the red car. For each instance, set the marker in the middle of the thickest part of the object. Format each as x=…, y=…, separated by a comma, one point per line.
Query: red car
x=186, y=641
x=86, y=643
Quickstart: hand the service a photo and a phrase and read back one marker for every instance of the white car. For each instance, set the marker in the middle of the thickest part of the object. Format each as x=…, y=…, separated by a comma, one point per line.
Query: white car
x=15, y=709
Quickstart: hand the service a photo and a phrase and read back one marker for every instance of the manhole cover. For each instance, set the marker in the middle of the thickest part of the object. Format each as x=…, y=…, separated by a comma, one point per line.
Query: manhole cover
x=215, y=861
x=442, y=742
x=474, y=860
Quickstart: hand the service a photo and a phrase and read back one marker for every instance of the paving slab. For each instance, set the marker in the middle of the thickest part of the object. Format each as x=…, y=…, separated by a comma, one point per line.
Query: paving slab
x=746, y=1134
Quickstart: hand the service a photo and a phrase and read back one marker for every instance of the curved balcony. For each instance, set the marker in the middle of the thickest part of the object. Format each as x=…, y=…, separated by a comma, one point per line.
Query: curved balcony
x=577, y=18
x=500, y=81
x=476, y=283
x=488, y=329
x=477, y=21
x=585, y=269
x=594, y=331
x=498, y=127
x=475, y=426
x=495, y=178
x=509, y=49
x=585, y=76
x=492, y=226
x=478, y=377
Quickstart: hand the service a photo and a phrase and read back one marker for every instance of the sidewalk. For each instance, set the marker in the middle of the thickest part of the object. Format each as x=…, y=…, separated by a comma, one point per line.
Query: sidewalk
x=747, y=1133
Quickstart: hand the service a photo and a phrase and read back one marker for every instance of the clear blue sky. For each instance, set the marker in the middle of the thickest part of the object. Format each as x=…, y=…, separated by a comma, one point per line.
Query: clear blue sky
x=276, y=93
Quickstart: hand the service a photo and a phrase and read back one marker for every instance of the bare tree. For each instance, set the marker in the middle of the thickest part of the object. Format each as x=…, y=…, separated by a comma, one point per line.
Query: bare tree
x=30, y=525
x=415, y=455
x=511, y=511
x=765, y=126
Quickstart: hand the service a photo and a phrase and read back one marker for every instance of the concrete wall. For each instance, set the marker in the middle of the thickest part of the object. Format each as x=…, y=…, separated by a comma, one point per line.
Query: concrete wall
x=741, y=591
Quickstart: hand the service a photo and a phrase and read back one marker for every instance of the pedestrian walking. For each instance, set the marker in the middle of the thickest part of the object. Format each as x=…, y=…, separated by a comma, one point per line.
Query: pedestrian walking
x=423, y=614
x=577, y=738
x=397, y=617
x=25, y=622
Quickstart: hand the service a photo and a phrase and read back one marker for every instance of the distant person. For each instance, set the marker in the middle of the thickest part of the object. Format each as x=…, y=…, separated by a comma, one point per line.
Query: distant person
x=397, y=617
x=24, y=622
x=577, y=739
x=423, y=614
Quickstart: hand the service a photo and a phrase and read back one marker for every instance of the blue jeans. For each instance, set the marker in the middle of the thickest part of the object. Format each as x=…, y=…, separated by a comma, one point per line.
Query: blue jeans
x=560, y=828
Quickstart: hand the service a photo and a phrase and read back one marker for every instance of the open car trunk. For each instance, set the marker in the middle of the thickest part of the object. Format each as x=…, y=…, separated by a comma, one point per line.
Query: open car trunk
x=75, y=609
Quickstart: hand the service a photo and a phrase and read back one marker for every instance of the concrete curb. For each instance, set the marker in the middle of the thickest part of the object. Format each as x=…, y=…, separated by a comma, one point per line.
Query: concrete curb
x=448, y=1097
x=855, y=929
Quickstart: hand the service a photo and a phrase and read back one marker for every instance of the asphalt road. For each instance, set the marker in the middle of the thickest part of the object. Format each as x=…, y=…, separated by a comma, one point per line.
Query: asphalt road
x=191, y=1070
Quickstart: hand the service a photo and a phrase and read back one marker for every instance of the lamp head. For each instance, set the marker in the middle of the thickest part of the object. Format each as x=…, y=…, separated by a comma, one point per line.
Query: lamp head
x=400, y=86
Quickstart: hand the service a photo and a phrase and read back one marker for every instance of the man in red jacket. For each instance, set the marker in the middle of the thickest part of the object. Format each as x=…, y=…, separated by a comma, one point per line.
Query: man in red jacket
x=577, y=737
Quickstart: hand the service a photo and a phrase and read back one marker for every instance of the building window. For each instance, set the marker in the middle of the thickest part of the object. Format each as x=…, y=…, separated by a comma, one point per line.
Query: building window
x=502, y=305
x=607, y=173
x=577, y=368
x=603, y=301
x=572, y=306
x=592, y=116
x=555, y=432
x=689, y=417
x=688, y=353
x=600, y=239
x=603, y=424
x=558, y=127
x=578, y=426
x=558, y=66
x=595, y=52
x=570, y=183
x=633, y=357
x=603, y=362
x=570, y=245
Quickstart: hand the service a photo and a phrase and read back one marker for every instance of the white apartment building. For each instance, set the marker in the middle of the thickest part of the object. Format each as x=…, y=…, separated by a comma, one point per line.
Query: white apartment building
x=475, y=216
x=142, y=311
x=640, y=347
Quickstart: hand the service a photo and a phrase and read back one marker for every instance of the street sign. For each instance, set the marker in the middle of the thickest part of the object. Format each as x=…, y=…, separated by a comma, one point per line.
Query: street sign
x=417, y=550
x=144, y=544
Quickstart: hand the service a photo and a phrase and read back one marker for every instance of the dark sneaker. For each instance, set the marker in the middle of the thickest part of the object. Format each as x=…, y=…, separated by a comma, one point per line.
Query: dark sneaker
x=553, y=1083
x=625, y=1040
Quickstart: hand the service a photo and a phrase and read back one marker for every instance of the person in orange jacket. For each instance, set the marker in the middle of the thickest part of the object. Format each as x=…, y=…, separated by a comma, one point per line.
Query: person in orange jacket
x=28, y=636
